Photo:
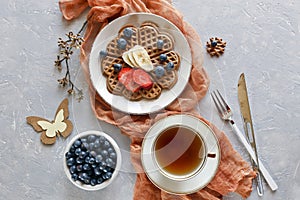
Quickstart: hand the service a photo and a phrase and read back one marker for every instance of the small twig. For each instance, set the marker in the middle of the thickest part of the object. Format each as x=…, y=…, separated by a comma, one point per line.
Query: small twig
x=65, y=52
x=83, y=26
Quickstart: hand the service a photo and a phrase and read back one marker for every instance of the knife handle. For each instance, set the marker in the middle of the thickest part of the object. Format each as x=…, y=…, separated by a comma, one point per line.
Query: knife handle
x=251, y=140
x=263, y=170
x=260, y=189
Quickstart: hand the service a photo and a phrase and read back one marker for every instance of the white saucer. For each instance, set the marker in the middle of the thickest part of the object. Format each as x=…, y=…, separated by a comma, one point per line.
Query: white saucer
x=199, y=180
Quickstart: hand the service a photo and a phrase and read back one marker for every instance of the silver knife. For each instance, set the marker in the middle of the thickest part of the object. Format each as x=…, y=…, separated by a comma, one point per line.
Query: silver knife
x=248, y=127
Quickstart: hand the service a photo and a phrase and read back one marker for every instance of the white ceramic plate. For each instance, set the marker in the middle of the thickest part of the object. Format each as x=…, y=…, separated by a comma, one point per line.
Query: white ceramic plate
x=143, y=106
x=194, y=183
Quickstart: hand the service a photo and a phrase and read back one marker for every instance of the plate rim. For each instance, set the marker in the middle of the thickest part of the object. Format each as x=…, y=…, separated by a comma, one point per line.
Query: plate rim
x=145, y=163
x=96, y=79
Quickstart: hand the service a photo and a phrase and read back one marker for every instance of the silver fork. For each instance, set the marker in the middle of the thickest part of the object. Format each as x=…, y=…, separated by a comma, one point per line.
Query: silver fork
x=226, y=114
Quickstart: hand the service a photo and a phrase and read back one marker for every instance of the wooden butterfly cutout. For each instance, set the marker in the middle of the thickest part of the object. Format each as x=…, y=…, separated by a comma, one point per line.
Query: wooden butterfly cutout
x=59, y=126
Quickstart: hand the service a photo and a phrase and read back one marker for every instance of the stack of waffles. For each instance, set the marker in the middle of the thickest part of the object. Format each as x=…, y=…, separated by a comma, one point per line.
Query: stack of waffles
x=155, y=43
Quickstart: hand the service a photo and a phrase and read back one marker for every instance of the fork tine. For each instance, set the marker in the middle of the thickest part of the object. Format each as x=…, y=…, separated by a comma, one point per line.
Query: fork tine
x=224, y=102
x=221, y=104
x=215, y=99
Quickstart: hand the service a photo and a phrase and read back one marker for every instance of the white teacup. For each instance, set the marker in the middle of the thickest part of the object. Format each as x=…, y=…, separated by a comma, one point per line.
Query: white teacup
x=179, y=152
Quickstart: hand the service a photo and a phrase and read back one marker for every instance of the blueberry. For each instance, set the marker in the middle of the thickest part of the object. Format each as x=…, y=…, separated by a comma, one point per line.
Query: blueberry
x=92, y=161
x=85, y=146
x=105, y=169
x=73, y=169
x=73, y=145
x=93, y=182
x=107, y=175
x=117, y=67
x=128, y=32
x=91, y=146
x=79, y=168
x=99, y=180
x=170, y=66
x=77, y=151
x=94, y=165
x=98, y=158
x=103, y=54
x=110, y=162
x=104, y=153
x=70, y=162
x=97, y=171
x=80, y=176
x=89, y=172
x=160, y=44
x=77, y=143
x=83, y=140
x=74, y=177
x=214, y=43
x=102, y=165
x=97, y=144
x=163, y=57
x=86, y=167
x=113, y=155
x=110, y=150
x=91, y=138
x=83, y=154
x=85, y=175
x=87, y=180
x=122, y=43
x=106, y=144
x=102, y=168
x=104, y=176
x=79, y=160
x=68, y=155
x=159, y=71
x=72, y=149
x=102, y=139
x=93, y=154
x=110, y=169
x=87, y=159
x=97, y=141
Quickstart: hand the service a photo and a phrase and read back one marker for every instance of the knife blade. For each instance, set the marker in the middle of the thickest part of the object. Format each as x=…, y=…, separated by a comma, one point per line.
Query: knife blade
x=248, y=127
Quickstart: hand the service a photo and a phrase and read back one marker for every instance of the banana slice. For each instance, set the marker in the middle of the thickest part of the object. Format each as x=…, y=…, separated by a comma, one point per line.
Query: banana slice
x=127, y=60
x=131, y=58
x=128, y=57
x=137, y=57
x=142, y=58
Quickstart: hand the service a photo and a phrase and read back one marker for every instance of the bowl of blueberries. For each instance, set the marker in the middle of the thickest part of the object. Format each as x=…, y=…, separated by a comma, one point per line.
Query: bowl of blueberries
x=92, y=160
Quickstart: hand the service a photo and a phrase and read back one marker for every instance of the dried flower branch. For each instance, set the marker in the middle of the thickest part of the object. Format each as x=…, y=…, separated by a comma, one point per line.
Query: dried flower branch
x=64, y=56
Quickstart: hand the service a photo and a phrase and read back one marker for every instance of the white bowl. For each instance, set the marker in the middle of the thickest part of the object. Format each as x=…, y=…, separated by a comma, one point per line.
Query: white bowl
x=114, y=174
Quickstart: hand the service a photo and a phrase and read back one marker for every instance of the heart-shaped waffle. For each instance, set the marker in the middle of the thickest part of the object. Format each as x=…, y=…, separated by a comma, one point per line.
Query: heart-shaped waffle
x=113, y=85
x=112, y=47
x=166, y=81
x=133, y=96
x=108, y=64
x=149, y=35
x=172, y=56
x=151, y=93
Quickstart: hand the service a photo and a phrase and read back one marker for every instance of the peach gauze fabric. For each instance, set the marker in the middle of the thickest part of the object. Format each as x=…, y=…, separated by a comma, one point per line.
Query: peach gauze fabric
x=234, y=174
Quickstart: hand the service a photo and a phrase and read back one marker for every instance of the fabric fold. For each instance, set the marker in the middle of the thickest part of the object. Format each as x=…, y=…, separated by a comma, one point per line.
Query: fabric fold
x=234, y=174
